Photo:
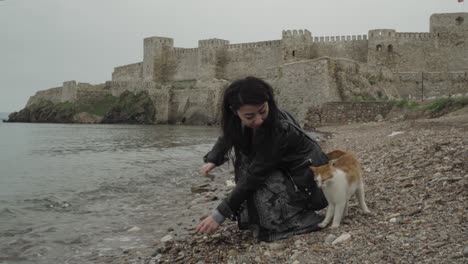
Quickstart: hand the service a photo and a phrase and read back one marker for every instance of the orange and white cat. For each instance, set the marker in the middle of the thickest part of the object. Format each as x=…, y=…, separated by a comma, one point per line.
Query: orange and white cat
x=339, y=180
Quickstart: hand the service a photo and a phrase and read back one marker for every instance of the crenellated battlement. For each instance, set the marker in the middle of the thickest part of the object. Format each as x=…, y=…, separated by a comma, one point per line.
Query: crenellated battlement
x=271, y=43
x=159, y=40
x=131, y=65
x=391, y=33
x=339, y=38
x=212, y=42
x=178, y=51
x=415, y=35
x=296, y=33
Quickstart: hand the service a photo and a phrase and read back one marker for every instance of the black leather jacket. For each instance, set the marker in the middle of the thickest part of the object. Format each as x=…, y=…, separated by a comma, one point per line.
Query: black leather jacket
x=289, y=149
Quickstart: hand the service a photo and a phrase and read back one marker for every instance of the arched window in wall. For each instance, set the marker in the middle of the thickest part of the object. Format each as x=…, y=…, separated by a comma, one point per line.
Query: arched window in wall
x=378, y=48
x=390, y=48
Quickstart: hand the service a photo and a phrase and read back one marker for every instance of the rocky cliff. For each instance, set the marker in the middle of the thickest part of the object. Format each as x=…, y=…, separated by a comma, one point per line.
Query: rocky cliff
x=127, y=108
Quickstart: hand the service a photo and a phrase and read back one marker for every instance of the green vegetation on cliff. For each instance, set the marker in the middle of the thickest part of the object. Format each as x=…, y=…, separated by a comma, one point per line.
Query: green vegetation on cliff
x=132, y=109
x=434, y=108
x=128, y=108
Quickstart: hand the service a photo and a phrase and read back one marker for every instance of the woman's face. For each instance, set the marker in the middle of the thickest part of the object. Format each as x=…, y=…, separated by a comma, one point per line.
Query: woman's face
x=253, y=116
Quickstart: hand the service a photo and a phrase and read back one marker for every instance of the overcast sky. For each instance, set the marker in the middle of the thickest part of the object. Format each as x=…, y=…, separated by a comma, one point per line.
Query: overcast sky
x=46, y=42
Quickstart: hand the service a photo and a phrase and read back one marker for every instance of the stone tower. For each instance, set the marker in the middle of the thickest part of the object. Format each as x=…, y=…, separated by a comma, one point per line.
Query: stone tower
x=295, y=44
x=380, y=47
x=212, y=58
x=157, y=59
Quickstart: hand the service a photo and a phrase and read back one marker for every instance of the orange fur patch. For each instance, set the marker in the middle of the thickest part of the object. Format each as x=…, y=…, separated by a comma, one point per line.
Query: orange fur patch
x=342, y=160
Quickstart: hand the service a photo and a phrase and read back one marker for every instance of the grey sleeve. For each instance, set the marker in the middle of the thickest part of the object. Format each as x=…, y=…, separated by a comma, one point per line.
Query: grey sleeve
x=217, y=216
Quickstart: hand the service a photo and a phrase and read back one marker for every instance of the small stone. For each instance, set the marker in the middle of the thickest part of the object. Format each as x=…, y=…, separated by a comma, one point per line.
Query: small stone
x=295, y=255
x=134, y=229
x=166, y=238
x=341, y=238
x=298, y=243
x=200, y=188
x=456, y=256
x=394, y=215
x=379, y=118
x=465, y=251
x=438, y=244
x=330, y=238
x=277, y=246
x=230, y=184
x=258, y=259
x=267, y=253
x=443, y=236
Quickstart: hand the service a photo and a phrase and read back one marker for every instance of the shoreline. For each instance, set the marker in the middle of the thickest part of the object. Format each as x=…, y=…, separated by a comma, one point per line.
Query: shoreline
x=411, y=179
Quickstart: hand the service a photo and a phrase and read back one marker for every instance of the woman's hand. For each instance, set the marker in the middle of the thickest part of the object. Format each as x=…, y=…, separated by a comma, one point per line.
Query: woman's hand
x=205, y=169
x=207, y=225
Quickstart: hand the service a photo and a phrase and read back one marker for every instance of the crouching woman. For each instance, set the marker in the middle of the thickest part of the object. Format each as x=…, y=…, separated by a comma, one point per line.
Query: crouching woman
x=275, y=194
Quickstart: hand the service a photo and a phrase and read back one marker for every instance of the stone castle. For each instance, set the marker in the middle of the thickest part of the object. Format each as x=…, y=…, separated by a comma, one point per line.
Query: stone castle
x=306, y=71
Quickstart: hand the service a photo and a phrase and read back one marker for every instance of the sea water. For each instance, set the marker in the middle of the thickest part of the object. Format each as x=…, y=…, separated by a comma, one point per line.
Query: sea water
x=72, y=192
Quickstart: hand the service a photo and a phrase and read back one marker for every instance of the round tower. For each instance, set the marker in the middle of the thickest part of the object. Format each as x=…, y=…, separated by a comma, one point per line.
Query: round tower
x=155, y=53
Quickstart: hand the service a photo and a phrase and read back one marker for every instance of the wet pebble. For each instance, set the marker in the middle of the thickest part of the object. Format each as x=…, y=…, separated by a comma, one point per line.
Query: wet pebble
x=330, y=238
x=341, y=238
x=166, y=238
x=276, y=246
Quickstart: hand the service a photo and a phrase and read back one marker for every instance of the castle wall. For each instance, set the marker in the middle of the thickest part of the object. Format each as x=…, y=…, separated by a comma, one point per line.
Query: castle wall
x=53, y=94
x=356, y=81
x=185, y=84
x=453, y=48
x=161, y=99
x=332, y=113
x=404, y=52
x=430, y=85
x=401, y=51
x=70, y=91
x=349, y=47
x=194, y=106
x=186, y=64
x=91, y=92
x=118, y=87
x=453, y=22
x=252, y=59
x=130, y=72
x=303, y=83
x=158, y=62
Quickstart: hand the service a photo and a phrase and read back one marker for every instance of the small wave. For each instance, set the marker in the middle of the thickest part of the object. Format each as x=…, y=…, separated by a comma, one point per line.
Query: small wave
x=73, y=241
x=45, y=204
x=6, y=212
x=14, y=232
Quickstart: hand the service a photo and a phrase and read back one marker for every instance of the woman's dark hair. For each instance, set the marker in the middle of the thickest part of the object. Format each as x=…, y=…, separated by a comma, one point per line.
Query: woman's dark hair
x=249, y=90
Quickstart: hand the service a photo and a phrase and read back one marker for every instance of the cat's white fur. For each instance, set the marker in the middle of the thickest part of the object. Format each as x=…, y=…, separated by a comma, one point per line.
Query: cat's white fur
x=338, y=189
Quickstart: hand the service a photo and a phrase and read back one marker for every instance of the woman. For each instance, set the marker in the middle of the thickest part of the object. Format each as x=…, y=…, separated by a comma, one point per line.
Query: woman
x=275, y=194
